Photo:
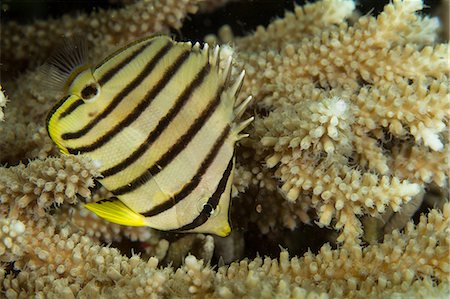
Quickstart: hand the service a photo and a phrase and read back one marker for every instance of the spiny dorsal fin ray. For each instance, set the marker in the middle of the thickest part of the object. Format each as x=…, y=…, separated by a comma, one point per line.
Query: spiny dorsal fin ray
x=63, y=63
x=239, y=127
x=239, y=110
x=236, y=87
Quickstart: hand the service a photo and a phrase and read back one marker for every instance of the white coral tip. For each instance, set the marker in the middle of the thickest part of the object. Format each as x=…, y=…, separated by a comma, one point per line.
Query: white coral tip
x=18, y=227
x=339, y=106
x=410, y=5
x=410, y=189
x=431, y=139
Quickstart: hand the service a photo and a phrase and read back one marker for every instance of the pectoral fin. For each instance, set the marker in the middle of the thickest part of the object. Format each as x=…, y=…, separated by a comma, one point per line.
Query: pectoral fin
x=116, y=211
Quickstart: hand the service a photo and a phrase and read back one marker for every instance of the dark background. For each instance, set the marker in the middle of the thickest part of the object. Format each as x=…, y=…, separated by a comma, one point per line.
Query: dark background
x=243, y=15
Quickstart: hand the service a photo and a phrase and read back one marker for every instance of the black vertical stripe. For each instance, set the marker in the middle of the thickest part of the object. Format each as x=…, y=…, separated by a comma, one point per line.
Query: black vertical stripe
x=110, y=73
x=180, y=144
x=127, y=46
x=71, y=108
x=213, y=201
x=193, y=183
x=139, y=109
x=106, y=77
x=121, y=95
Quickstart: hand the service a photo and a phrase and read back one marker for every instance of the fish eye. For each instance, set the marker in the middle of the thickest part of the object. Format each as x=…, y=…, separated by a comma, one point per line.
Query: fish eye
x=89, y=91
x=205, y=207
x=208, y=208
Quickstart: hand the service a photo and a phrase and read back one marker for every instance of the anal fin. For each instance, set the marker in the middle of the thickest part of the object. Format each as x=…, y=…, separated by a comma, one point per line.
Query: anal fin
x=116, y=211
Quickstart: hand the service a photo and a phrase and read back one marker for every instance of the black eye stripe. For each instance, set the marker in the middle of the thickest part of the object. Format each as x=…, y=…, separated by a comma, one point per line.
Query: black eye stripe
x=89, y=91
x=71, y=108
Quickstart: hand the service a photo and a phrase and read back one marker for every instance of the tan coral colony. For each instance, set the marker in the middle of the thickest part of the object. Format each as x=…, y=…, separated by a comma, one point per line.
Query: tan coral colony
x=339, y=191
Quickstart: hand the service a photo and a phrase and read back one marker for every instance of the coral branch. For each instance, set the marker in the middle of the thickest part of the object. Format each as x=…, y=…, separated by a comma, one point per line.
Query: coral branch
x=33, y=188
x=111, y=26
x=54, y=265
x=351, y=125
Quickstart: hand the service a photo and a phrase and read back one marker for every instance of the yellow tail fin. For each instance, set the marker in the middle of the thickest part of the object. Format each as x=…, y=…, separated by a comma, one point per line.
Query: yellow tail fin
x=116, y=211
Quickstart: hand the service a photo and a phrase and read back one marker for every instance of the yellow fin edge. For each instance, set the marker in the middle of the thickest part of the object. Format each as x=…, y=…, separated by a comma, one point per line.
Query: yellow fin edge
x=116, y=211
x=224, y=231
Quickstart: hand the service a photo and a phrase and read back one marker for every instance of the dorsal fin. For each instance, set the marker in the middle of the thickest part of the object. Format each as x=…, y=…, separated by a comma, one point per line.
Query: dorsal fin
x=69, y=59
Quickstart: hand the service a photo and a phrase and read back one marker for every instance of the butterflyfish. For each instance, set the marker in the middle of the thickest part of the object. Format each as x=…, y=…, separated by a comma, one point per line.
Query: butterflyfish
x=160, y=120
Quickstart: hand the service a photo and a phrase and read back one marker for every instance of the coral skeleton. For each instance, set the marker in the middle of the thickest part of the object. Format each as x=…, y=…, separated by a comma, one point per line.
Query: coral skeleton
x=350, y=139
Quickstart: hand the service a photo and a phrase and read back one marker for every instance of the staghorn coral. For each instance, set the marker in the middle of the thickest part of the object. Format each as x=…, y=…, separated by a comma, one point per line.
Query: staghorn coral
x=351, y=122
x=11, y=231
x=110, y=26
x=348, y=103
x=35, y=187
x=419, y=164
x=196, y=244
x=344, y=272
x=63, y=263
x=403, y=262
x=99, y=228
x=30, y=139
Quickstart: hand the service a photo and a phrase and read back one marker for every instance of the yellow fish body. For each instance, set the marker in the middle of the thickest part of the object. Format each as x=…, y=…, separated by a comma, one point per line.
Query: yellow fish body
x=159, y=119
